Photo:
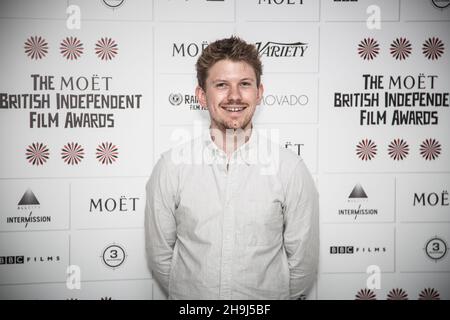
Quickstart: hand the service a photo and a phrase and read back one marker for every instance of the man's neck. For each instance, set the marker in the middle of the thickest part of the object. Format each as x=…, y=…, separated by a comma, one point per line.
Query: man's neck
x=229, y=140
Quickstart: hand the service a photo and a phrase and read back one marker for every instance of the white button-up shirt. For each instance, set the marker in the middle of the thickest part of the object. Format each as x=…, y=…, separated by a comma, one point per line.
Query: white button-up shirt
x=244, y=227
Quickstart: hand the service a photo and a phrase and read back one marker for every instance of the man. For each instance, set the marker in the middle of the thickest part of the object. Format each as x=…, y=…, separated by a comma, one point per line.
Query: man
x=241, y=223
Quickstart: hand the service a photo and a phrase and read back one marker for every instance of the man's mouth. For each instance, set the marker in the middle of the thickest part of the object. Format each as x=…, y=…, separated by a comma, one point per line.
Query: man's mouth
x=233, y=108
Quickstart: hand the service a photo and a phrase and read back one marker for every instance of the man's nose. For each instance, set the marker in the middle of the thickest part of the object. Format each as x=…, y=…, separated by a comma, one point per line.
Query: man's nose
x=234, y=93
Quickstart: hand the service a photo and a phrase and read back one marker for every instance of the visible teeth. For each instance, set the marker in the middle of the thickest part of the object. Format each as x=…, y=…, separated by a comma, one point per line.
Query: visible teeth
x=234, y=109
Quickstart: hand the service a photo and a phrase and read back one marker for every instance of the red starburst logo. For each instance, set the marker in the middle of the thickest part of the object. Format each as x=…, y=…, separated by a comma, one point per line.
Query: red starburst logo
x=36, y=47
x=72, y=153
x=433, y=48
x=429, y=294
x=368, y=49
x=366, y=149
x=365, y=294
x=37, y=153
x=400, y=48
x=71, y=48
x=106, y=48
x=430, y=149
x=397, y=294
x=107, y=153
x=398, y=149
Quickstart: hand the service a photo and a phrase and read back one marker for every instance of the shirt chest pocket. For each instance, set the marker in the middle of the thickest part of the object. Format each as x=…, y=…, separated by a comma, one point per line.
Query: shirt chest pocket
x=259, y=223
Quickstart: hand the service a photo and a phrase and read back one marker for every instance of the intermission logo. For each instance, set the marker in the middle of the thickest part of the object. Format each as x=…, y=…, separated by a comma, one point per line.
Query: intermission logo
x=123, y=204
x=436, y=248
x=113, y=256
x=357, y=196
x=28, y=204
x=185, y=100
x=281, y=50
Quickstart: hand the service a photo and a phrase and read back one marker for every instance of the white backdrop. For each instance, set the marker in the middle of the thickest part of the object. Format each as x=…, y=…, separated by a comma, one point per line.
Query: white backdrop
x=72, y=176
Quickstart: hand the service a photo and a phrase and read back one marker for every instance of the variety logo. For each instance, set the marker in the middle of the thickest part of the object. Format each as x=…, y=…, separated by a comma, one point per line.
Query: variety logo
x=436, y=248
x=30, y=203
x=113, y=256
x=279, y=49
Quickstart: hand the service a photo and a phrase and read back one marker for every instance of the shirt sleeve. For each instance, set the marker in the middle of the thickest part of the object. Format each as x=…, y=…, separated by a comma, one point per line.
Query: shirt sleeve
x=160, y=225
x=301, y=231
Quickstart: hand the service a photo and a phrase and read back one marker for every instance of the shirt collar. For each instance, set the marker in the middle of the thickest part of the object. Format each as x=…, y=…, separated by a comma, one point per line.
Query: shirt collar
x=247, y=152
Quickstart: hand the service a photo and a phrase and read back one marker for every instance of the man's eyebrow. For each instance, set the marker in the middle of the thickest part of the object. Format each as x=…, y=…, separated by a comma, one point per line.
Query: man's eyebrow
x=243, y=79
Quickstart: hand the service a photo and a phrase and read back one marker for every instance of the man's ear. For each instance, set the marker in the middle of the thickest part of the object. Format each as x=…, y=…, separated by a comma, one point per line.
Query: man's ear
x=201, y=96
x=260, y=94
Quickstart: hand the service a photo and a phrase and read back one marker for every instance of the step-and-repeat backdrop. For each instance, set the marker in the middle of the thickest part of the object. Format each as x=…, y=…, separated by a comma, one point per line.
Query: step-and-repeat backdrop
x=92, y=91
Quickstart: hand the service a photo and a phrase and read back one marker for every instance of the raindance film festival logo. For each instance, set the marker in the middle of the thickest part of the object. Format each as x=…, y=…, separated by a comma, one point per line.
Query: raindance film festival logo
x=358, y=195
x=29, y=204
x=113, y=256
x=436, y=248
x=185, y=100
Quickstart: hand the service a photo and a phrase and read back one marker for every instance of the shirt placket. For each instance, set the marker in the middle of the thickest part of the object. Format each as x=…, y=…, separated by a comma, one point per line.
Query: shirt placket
x=227, y=234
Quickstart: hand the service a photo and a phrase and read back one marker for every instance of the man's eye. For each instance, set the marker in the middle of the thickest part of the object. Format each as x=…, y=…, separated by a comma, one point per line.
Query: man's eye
x=246, y=84
x=220, y=85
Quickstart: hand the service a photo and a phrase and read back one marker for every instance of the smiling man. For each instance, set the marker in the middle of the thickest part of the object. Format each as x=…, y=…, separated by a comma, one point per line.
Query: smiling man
x=243, y=222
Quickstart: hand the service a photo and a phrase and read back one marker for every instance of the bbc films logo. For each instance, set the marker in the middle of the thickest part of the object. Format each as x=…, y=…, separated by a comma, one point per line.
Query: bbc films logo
x=357, y=195
x=22, y=259
x=114, y=256
x=28, y=204
x=350, y=250
x=436, y=248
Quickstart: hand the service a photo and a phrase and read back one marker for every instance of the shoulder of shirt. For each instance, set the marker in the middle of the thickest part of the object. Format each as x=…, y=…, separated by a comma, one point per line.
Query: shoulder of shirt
x=182, y=153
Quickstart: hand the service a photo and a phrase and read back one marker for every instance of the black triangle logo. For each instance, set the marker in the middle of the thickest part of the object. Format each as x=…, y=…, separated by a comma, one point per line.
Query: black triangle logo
x=357, y=192
x=28, y=199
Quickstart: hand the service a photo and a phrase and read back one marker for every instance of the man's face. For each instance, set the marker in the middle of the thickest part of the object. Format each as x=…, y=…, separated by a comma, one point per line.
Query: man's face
x=231, y=94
